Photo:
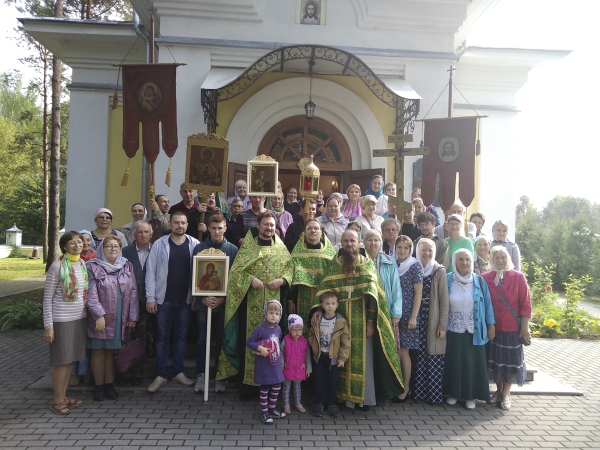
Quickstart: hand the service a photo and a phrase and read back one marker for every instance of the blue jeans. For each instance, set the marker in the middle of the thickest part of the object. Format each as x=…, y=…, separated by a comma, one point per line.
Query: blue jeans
x=177, y=315
x=326, y=380
x=218, y=320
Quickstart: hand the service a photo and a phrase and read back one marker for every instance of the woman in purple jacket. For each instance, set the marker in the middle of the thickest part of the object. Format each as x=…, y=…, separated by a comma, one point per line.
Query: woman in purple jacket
x=112, y=306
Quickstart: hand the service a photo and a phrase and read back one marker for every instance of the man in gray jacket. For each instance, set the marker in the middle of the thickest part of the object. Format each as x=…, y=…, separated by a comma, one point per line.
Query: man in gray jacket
x=168, y=295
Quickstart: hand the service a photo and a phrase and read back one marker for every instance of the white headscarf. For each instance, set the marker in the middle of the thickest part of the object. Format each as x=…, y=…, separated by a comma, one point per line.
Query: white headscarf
x=428, y=268
x=407, y=263
x=462, y=222
x=500, y=272
x=457, y=277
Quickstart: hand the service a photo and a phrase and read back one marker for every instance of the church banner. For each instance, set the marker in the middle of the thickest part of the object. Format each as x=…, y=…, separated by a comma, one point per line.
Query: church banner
x=452, y=143
x=149, y=97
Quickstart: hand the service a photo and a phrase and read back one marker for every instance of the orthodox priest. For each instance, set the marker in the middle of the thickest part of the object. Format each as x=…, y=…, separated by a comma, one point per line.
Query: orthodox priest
x=362, y=303
x=262, y=271
x=311, y=256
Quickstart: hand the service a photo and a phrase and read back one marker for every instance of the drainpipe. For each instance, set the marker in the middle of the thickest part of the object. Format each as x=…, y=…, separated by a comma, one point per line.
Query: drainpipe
x=141, y=32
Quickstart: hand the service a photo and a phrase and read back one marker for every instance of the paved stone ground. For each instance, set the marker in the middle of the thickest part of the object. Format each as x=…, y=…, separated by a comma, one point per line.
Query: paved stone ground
x=176, y=420
x=12, y=287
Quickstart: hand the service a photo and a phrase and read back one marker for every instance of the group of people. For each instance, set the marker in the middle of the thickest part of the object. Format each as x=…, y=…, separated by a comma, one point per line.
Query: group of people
x=372, y=306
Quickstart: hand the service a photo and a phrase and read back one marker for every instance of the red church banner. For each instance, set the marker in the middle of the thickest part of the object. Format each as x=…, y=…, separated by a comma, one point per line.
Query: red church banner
x=451, y=143
x=149, y=97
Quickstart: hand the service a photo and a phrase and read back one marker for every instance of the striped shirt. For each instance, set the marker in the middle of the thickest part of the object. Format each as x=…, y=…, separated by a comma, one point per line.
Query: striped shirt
x=55, y=308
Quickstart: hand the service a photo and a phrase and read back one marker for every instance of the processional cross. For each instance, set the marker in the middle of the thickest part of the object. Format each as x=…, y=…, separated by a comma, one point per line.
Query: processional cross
x=399, y=152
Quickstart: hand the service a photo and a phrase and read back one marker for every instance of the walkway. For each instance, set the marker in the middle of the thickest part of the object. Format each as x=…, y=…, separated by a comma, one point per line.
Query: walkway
x=21, y=285
x=174, y=419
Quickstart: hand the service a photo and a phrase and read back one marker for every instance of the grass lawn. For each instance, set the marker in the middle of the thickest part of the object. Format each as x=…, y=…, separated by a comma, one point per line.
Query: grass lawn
x=11, y=268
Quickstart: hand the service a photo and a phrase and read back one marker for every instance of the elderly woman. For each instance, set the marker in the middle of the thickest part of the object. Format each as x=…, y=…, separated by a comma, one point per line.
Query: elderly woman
x=386, y=268
x=500, y=233
x=427, y=378
x=112, y=306
x=376, y=190
x=334, y=223
x=410, y=274
x=88, y=241
x=240, y=192
x=512, y=310
x=368, y=219
x=457, y=237
x=470, y=325
x=65, y=295
x=103, y=219
x=351, y=210
x=284, y=218
x=482, y=249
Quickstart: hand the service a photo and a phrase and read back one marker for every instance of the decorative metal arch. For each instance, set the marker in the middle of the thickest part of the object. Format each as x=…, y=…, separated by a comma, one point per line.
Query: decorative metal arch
x=275, y=61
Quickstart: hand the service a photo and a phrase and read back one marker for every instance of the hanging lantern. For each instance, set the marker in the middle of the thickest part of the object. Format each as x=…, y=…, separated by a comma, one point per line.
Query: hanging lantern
x=309, y=109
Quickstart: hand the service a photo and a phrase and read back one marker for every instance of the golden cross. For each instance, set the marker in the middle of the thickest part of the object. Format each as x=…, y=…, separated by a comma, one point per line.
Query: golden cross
x=313, y=272
x=349, y=289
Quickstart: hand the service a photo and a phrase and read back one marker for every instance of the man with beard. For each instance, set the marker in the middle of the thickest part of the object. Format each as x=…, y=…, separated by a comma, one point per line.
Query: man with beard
x=311, y=256
x=354, y=279
x=197, y=227
x=262, y=271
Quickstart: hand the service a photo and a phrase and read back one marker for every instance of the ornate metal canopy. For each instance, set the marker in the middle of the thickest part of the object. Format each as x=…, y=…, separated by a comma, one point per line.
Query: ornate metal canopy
x=324, y=61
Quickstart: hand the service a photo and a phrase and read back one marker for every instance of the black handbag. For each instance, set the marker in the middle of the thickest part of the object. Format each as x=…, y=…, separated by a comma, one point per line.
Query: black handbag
x=131, y=353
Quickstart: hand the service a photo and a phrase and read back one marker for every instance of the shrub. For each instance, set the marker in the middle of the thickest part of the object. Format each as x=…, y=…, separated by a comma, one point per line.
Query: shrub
x=15, y=253
x=26, y=315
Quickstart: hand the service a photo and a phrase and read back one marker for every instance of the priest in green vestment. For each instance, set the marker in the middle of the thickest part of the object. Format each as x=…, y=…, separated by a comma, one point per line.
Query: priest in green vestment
x=373, y=370
x=262, y=271
x=311, y=256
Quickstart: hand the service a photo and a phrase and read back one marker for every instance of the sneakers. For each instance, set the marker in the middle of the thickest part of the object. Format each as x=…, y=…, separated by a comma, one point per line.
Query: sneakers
x=157, y=384
x=266, y=418
x=220, y=386
x=300, y=408
x=452, y=401
x=99, y=394
x=110, y=391
x=470, y=404
x=181, y=378
x=277, y=414
x=318, y=410
x=287, y=409
x=334, y=411
x=199, y=383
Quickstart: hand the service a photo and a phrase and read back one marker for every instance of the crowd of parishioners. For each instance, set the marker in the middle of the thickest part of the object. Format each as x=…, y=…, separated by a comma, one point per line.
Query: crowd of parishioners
x=441, y=312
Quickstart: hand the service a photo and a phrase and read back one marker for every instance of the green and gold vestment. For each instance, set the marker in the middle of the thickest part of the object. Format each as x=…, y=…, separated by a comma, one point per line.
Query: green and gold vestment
x=252, y=261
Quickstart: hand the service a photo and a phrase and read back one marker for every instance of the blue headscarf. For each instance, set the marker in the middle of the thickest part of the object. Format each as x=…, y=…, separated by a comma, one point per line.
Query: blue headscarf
x=370, y=190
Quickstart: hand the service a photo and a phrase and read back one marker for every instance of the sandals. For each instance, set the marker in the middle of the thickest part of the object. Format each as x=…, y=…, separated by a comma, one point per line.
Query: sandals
x=60, y=408
x=494, y=399
x=73, y=402
x=506, y=404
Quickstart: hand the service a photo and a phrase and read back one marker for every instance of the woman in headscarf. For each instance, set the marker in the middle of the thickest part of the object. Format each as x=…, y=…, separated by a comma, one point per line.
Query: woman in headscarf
x=376, y=190
x=470, y=325
x=113, y=306
x=65, y=296
x=386, y=268
x=88, y=241
x=427, y=378
x=369, y=220
x=500, y=233
x=334, y=223
x=103, y=219
x=482, y=250
x=410, y=274
x=512, y=310
x=457, y=237
x=284, y=218
x=351, y=209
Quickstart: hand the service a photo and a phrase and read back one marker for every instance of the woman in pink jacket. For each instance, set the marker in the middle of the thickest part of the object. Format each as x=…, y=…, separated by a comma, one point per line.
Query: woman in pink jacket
x=112, y=307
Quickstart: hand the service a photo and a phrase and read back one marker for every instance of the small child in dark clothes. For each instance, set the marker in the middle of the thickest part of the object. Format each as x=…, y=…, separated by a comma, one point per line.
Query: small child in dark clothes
x=268, y=370
x=330, y=343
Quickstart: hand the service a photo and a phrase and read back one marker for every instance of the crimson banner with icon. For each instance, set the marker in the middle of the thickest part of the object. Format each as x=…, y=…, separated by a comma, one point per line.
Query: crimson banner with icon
x=452, y=144
x=149, y=97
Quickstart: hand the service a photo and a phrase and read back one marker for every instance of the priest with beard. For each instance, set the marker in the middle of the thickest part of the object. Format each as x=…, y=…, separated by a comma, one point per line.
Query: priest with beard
x=310, y=256
x=262, y=271
x=354, y=279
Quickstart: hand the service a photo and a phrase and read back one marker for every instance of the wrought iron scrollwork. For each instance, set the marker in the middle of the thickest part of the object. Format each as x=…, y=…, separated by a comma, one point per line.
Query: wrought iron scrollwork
x=407, y=110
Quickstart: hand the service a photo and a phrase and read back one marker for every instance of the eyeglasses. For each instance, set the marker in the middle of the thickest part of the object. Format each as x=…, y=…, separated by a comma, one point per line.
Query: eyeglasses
x=112, y=247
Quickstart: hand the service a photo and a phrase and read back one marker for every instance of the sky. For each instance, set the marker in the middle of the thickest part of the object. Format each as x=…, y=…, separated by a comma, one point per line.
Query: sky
x=560, y=107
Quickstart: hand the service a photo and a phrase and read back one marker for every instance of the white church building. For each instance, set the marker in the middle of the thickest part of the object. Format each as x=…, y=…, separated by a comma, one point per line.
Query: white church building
x=250, y=66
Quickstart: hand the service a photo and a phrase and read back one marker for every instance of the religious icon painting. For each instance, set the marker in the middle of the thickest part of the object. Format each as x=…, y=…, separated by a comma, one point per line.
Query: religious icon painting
x=210, y=273
x=311, y=12
x=206, y=163
x=262, y=176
